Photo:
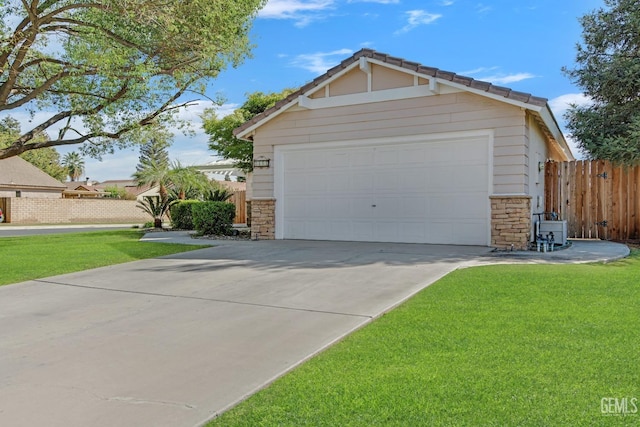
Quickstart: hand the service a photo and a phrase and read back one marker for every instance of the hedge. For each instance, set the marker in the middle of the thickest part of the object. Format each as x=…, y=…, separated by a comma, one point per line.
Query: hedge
x=181, y=214
x=213, y=217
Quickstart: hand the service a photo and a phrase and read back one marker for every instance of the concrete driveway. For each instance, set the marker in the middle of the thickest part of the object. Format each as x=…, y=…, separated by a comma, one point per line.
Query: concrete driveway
x=173, y=341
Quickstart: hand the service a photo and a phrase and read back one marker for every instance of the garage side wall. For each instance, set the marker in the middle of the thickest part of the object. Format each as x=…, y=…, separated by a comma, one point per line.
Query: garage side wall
x=430, y=115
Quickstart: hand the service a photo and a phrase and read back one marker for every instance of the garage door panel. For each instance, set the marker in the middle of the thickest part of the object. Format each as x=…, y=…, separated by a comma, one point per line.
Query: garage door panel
x=296, y=185
x=317, y=183
x=361, y=182
x=419, y=192
x=414, y=180
x=386, y=157
x=339, y=160
x=387, y=181
x=469, y=178
x=470, y=232
x=412, y=156
x=361, y=157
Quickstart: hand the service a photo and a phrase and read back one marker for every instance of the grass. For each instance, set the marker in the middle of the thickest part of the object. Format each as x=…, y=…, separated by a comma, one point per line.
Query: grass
x=33, y=257
x=509, y=345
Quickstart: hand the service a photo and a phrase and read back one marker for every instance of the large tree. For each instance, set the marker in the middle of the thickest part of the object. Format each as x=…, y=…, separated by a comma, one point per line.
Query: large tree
x=608, y=70
x=153, y=164
x=97, y=72
x=220, y=130
x=46, y=159
x=173, y=179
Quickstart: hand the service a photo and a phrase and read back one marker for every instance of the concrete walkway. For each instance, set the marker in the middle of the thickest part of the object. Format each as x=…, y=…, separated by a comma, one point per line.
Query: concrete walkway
x=173, y=341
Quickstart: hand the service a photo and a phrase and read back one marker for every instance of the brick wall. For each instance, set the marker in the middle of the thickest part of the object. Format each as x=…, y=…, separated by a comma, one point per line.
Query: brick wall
x=263, y=219
x=511, y=222
x=67, y=211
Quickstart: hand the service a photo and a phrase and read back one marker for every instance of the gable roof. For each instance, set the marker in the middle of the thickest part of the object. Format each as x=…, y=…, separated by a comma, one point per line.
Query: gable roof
x=129, y=185
x=532, y=103
x=17, y=173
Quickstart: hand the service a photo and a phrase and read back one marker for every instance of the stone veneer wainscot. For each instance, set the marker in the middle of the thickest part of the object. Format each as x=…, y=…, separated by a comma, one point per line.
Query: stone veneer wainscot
x=510, y=222
x=263, y=214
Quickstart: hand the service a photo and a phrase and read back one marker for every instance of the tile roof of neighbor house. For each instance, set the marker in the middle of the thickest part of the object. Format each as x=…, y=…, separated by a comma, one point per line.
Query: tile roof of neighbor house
x=16, y=172
x=402, y=63
x=129, y=185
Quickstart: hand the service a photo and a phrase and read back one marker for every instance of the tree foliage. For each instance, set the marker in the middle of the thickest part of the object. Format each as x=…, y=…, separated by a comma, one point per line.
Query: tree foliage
x=157, y=207
x=220, y=130
x=45, y=159
x=608, y=70
x=102, y=71
x=153, y=164
x=174, y=180
x=74, y=165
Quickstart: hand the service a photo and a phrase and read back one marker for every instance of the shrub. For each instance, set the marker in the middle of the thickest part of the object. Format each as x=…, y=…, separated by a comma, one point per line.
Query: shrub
x=217, y=193
x=213, y=217
x=157, y=207
x=181, y=214
x=115, y=192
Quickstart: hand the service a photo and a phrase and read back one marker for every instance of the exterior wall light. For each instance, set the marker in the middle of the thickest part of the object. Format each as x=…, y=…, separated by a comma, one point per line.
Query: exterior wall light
x=540, y=166
x=261, y=162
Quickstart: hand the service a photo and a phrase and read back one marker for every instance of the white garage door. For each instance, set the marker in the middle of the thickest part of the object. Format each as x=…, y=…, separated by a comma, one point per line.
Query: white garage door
x=433, y=191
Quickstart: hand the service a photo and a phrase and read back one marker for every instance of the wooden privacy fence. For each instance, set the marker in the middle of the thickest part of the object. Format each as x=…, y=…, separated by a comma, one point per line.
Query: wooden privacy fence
x=598, y=200
x=239, y=199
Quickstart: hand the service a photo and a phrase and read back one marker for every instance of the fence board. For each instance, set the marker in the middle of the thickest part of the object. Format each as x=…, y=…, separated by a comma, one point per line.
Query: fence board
x=239, y=199
x=593, y=200
x=588, y=193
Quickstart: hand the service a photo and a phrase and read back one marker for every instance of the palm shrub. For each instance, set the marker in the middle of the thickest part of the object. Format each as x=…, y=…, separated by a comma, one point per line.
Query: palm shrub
x=217, y=194
x=181, y=215
x=157, y=207
x=213, y=217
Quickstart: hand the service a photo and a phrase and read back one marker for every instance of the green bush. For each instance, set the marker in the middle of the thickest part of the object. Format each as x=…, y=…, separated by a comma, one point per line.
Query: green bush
x=213, y=217
x=181, y=214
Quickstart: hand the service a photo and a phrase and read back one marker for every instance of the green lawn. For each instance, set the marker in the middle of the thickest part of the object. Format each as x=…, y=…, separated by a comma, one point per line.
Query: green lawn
x=509, y=345
x=34, y=257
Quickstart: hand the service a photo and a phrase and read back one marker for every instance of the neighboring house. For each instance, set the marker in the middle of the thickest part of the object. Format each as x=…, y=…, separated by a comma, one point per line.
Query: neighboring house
x=130, y=186
x=82, y=190
x=384, y=149
x=19, y=178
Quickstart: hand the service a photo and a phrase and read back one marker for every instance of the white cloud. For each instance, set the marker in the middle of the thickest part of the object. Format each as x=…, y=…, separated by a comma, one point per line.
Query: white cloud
x=561, y=104
x=478, y=71
x=303, y=12
x=483, y=8
x=320, y=62
x=447, y=2
x=506, y=79
x=492, y=75
x=417, y=18
x=575, y=149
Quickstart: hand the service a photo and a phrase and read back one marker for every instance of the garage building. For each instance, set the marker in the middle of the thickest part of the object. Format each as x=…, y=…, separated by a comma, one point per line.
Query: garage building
x=387, y=150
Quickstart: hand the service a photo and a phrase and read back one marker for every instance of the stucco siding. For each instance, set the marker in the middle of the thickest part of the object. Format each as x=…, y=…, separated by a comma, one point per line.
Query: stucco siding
x=352, y=82
x=386, y=78
x=438, y=114
x=538, y=153
x=43, y=194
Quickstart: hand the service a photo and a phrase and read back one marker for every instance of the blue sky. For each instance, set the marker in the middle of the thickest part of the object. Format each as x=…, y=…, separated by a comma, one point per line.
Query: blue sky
x=520, y=44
